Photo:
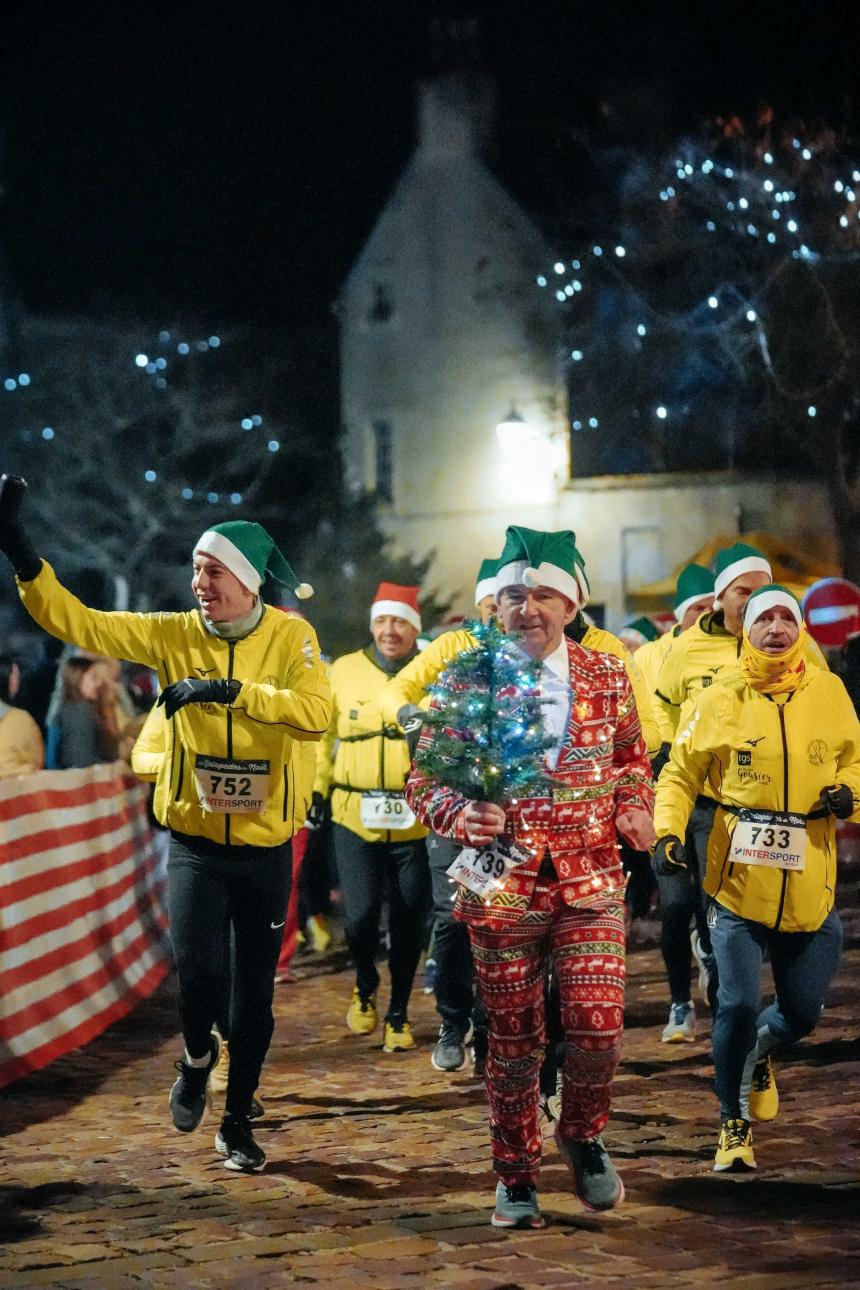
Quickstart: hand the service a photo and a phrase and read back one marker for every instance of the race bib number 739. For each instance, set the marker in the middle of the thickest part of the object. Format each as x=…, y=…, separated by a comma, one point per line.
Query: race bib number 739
x=484, y=870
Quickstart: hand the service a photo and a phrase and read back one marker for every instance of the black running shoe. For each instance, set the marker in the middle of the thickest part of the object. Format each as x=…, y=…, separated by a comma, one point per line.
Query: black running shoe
x=257, y=1110
x=450, y=1051
x=235, y=1141
x=190, y=1094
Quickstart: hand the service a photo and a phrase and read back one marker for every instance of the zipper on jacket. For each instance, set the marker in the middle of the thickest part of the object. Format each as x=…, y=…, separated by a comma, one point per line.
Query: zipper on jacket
x=178, y=791
x=781, y=710
x=286, y=794
x=382, y=771
x=230, y=650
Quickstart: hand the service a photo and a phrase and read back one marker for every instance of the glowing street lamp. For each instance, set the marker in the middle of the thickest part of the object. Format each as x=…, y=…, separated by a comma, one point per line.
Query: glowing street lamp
x=513, y=432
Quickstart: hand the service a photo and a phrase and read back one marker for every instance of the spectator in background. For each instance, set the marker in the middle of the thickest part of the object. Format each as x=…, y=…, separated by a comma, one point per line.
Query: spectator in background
x=87, y=723
x=38, y=681
x=21, y=749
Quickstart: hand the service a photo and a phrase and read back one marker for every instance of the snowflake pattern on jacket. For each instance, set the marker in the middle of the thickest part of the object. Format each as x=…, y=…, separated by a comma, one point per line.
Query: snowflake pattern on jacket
x=602, y=769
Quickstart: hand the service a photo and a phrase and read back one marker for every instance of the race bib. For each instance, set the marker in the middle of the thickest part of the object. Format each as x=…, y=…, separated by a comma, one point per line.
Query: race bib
x=385, y=811
x=226, y=786
x=484, y=870
x=776, y=839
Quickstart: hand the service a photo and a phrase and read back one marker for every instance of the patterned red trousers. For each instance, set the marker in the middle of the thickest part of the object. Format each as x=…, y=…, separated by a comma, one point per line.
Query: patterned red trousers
x=586, y=945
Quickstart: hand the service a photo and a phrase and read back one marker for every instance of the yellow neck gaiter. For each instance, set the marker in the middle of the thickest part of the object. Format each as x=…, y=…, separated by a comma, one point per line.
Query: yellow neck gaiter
x=774, y=673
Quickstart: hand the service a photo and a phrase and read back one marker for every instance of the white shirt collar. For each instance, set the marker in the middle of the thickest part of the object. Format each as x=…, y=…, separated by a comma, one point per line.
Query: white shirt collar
x=559, y=661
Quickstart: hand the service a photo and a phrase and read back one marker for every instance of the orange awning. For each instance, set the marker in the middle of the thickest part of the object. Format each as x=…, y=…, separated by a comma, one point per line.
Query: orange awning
x=792, y=567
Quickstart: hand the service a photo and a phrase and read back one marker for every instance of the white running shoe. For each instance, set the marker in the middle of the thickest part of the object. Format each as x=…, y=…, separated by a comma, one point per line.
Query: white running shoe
x=681, y=1027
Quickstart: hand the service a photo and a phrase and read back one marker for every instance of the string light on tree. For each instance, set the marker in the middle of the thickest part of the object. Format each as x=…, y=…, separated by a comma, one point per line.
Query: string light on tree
x=489, y=738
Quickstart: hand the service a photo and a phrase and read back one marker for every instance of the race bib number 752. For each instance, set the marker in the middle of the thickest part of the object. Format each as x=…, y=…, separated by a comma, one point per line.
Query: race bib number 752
x=228, y=785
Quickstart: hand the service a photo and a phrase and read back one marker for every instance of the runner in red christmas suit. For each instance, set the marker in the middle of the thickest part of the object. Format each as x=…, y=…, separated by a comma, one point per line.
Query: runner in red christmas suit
x=567, y=900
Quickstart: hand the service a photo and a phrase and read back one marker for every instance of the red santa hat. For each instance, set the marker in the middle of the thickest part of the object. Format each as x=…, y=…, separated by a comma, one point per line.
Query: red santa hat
x=400, y=602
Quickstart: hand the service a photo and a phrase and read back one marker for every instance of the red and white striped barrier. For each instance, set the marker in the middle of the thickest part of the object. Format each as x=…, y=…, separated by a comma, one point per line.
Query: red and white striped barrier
x=82, y=919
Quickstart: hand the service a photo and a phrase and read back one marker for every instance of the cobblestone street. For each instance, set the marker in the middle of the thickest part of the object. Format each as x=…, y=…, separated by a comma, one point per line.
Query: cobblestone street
x=378, y=1166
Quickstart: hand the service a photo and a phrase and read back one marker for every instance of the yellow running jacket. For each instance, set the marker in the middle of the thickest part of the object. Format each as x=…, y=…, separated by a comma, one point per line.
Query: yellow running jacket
x=411, y=684
x=285, y=700
x=754, y=751
x=704, y=655
x=362, y=751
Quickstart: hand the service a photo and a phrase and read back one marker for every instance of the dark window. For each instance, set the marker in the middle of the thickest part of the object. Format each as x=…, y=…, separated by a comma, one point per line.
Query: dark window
x=384, y=452
x=381, y=307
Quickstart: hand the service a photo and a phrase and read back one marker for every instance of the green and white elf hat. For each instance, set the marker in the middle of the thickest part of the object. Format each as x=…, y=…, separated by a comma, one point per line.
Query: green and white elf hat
x=247, y=550
x=768, y=598
x=640, y=632
x=734, y=561
x=532, y=558
x=486, y=581
x=694, y=583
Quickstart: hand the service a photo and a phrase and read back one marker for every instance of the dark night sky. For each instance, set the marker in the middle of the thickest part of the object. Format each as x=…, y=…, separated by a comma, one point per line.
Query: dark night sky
x=207, y=161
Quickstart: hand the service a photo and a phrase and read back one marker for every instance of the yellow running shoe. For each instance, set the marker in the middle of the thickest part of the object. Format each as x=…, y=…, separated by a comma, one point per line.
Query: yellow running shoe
x=398, y=1038
x=321, y=937
x=361, y=1017
x=734, y=1149
x=764, y=1098
x=221, y=1070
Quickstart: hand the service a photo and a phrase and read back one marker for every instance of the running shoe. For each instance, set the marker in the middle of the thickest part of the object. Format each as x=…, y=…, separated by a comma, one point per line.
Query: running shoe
x=398, y=1037
x=764, y=1098
x=595, y=1180
x=236, y=1141
x=221, y=1069
x=707, y=966
x=681, y=1026
x=517, y=1206
x=190, y=1094
x=318, y=930
x=450, y=1051
x=361, y=1017
x=734, y=1149
x=429, y=986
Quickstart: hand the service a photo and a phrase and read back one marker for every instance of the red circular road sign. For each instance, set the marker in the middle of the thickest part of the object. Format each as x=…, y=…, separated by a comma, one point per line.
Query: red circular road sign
x=832, y=611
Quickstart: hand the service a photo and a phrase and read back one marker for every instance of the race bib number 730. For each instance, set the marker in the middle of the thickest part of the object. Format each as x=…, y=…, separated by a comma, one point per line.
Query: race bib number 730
x=381, y=810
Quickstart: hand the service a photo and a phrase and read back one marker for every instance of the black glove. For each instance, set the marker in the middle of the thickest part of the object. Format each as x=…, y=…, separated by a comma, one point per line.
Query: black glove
x=14, y=543
x=317, y=812
x=668, y=857
x=175, y=696
x=838, y=800
x=411, y=719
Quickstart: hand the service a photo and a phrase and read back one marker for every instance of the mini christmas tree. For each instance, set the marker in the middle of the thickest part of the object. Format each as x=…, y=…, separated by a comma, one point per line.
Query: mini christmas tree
x=489, y=739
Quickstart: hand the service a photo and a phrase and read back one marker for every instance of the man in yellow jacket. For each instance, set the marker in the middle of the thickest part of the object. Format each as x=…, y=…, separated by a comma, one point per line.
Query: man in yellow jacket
x=680, y=895
x=698, y=658
x=242, y=688
x=694, y=596
x=778, y=745
x=379, y=846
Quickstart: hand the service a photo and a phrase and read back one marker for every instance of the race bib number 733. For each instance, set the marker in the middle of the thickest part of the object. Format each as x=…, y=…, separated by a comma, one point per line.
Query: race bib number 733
x=775, y=839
